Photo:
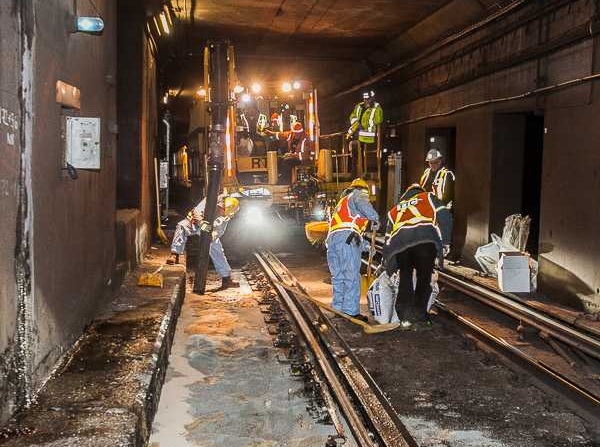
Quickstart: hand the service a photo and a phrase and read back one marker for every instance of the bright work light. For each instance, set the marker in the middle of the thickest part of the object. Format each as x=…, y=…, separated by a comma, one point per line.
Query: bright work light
x=90, y=25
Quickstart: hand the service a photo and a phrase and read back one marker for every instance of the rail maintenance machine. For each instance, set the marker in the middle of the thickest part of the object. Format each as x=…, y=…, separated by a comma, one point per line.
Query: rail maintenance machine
x=274, y=151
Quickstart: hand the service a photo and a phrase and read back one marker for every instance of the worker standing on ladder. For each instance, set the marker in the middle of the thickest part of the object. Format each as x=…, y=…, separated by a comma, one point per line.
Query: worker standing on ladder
x=366, y=116
x=345, y=244
x=193, y=224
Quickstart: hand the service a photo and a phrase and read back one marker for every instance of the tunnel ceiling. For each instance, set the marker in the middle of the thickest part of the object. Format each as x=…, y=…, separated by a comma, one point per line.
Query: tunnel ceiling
x=309, y=39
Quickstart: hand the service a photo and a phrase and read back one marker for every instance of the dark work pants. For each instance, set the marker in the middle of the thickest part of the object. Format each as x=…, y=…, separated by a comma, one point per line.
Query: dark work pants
x=420, y=258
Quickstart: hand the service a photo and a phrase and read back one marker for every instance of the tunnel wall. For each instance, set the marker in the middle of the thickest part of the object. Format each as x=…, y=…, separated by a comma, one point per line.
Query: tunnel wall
x=547, y=53
x=73, y=220
x=136, y=102
x=10, y=152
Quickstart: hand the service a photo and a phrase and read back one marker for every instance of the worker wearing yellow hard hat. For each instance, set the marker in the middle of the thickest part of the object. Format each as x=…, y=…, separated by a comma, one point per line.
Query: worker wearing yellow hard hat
x=227, y=207
x=344, y=243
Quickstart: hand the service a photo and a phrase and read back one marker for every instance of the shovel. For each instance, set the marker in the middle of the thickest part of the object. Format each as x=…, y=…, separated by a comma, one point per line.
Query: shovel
x=367, y=328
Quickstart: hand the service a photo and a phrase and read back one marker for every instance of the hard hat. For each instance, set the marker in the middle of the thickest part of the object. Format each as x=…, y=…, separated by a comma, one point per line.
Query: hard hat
x=297, y=127
x=232, y=205
x=274, y=116
x=368, y=95
x=359, y=183
x=433, y=154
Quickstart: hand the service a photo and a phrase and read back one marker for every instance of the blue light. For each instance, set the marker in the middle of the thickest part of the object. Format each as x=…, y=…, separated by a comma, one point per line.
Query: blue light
x=91, y=25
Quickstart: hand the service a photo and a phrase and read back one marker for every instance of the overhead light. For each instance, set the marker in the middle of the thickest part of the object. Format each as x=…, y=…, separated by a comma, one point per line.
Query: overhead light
x=256, y=87
x=286, y=87
x=296, y=85
x=246, y=97
x=89, y=25
x=238, y=89
x=432, y=139
x=201, y=92
x=164, y=23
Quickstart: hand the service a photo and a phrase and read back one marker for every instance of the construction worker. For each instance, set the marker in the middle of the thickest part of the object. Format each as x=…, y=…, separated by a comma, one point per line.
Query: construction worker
x=365, y=118
x=419, y=226
x=192, y=224
x=438, y=179
x=344, y=243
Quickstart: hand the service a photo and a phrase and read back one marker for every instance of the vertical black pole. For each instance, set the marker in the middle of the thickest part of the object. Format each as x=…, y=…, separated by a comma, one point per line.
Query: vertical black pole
x=216, y=143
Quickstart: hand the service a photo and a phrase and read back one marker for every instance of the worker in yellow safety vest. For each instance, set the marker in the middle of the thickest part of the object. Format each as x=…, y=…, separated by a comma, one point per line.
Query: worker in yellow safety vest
x=418, y=232
x=344, y=243
x=438, y=179
x=365, y=118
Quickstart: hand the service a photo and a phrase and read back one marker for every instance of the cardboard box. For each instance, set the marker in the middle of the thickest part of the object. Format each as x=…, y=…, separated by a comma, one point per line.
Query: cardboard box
x=513, y=272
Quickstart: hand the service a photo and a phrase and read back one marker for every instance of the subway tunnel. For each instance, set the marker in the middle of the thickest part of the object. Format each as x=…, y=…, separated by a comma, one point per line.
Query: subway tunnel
x=118, y=117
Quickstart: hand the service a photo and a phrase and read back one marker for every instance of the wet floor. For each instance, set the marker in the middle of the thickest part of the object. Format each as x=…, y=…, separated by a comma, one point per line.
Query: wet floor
x=224, y=385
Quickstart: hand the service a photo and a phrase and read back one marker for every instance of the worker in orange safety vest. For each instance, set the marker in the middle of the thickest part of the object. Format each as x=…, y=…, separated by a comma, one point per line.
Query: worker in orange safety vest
x=418, y=232
x=344, y=243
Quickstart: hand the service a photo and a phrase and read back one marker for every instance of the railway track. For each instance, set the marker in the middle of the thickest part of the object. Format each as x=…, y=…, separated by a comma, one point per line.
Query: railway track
x=551, y=330
x=369, y=416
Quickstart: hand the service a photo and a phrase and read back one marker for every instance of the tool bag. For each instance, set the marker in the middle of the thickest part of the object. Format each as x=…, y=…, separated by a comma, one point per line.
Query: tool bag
x=382, y=298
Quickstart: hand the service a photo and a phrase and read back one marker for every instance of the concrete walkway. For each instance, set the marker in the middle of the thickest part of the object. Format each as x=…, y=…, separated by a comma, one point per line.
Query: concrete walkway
x=106, y=391
x=224, y=385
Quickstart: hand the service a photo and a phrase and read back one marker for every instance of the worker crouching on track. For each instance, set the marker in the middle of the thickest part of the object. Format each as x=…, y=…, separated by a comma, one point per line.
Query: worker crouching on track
x=345, y=244
x=419, y=227
x=192, y=224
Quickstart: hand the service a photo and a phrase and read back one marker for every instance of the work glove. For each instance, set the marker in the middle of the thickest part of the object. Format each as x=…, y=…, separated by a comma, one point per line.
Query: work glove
x=446, y=250
x=366, y=246
x=206, y=226
x=353, y=237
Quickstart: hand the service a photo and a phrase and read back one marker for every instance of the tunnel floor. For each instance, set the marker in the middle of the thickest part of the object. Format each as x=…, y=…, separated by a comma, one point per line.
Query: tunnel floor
x=224, y=385
x=447, y=392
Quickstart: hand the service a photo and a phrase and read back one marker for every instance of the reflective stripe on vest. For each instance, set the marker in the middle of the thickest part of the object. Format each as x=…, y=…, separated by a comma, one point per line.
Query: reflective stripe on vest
x=438, y=186
x=343, y=219
x=416, y=211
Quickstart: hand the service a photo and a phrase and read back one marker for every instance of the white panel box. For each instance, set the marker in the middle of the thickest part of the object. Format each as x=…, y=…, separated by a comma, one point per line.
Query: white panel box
x=83, y=142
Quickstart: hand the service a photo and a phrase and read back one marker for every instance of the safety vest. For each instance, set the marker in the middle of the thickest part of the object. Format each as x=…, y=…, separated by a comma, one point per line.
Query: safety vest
x=369, y=121
x=413, y=212
x=343, y=219
x=438, y=186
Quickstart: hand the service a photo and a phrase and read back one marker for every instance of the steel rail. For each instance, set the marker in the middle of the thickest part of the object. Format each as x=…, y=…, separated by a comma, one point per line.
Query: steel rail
x=380, y=412
x=587, y=401
x=556, y=329
x=354, y=419
x=376, y=408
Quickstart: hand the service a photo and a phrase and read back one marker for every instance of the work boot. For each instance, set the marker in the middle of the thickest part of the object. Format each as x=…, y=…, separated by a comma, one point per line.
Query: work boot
x=173, y=259
x=227, y=283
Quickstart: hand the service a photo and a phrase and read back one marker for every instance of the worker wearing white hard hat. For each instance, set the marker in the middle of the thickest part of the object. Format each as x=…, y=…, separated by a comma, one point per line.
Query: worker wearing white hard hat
x=439, y=180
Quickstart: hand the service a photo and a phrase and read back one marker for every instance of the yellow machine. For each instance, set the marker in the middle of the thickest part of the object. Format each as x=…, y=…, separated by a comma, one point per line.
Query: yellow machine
x=256, y=145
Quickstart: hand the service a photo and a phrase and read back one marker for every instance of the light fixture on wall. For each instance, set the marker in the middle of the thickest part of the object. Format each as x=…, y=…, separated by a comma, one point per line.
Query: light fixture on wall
x=89, y=25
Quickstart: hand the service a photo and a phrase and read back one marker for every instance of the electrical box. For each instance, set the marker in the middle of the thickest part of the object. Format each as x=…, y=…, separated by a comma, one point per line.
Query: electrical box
x=83, y=142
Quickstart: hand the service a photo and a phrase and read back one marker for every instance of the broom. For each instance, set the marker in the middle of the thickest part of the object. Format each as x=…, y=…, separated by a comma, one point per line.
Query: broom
x=316, y=232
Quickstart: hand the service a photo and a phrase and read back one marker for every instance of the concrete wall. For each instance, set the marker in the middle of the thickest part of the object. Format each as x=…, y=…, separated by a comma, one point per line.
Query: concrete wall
x=535, y=46
x=137, y=129
x=73, y=220
x=10, y=153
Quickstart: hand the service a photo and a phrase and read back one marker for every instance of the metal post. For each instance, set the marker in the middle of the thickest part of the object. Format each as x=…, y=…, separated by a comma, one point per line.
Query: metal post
x=167, y=122
x=217, y=65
